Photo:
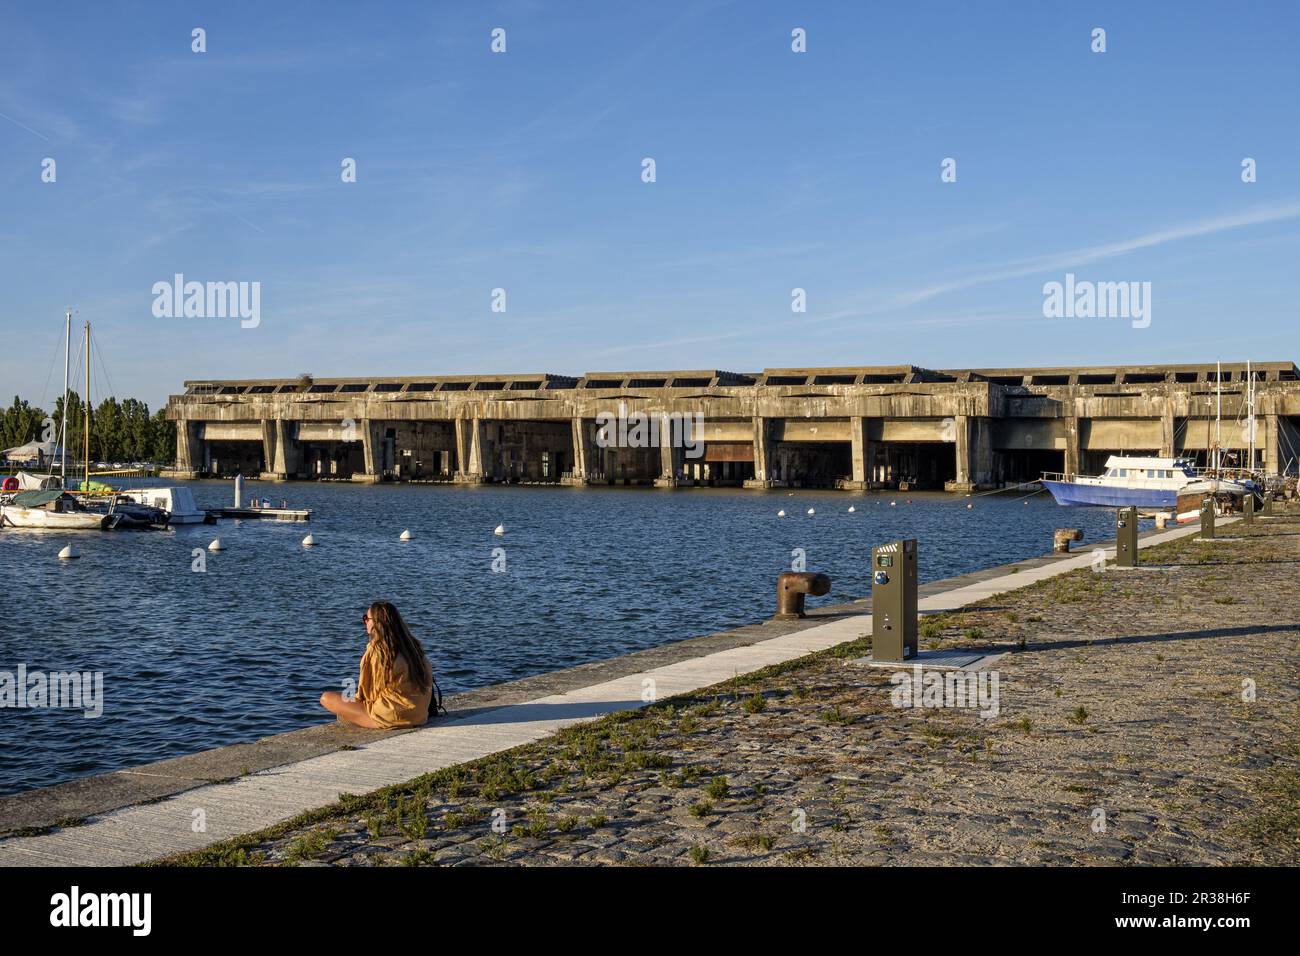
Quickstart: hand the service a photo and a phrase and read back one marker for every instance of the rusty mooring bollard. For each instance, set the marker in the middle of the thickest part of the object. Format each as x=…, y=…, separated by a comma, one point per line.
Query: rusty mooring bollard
x=1062, y=537
x=791, y=589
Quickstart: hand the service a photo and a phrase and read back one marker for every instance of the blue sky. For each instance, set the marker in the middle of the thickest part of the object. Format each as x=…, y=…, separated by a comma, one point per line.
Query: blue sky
x=522, y=171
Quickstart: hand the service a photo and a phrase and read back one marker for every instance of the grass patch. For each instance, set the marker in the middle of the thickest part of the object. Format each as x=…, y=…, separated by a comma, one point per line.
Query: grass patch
x=837, y=716
x=755, y=841
x=1275, y=829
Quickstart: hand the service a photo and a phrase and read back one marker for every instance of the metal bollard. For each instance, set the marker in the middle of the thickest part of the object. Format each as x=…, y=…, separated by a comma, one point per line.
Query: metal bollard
x=1126, y=537
x=1207, y=518
x=893, y=601
x=1248, y=509
x=1062, y=537
x=792, y=587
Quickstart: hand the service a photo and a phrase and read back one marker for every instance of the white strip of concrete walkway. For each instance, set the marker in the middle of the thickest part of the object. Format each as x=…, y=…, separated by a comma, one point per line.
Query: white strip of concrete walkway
x=145, y=832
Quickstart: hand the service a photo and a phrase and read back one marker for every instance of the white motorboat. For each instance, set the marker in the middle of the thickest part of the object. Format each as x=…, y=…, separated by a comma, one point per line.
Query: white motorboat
x=176, y=501
x=53, y=510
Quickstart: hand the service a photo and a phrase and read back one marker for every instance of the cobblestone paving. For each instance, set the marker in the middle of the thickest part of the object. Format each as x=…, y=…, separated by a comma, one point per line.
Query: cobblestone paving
x=1124, y=735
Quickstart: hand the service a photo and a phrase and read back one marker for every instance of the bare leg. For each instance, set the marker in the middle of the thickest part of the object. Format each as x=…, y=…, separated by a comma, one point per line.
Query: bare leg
x=348, y=711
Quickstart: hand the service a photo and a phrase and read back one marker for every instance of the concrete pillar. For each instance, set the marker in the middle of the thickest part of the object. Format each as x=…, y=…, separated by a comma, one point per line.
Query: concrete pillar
x=974, y=452
x=279, y=450
x=1071, y=447
x=670, y=459
x=371, y=434
x=584, y=460
x=863, y=455
x=961, y=448
x=1272, y=445
x=470, y=449
x=188, y=451
x=762, y=455
x=478, y=452
x=578, y=437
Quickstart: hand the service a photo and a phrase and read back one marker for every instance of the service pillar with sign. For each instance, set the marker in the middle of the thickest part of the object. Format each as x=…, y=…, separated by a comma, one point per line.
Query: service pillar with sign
x=893, y=601
x=1126, y=538
x=1248, y=508
x=1207, y=518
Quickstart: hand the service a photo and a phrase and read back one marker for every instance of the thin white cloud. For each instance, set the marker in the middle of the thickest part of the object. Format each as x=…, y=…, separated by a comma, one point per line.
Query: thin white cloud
x=1205, y=227
x=1073, y=259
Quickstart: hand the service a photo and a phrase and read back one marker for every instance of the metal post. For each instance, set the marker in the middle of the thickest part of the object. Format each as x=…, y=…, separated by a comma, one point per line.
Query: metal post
x=1248, y=508
x=893, y=601
x=1126, y=537
x=1207, y=518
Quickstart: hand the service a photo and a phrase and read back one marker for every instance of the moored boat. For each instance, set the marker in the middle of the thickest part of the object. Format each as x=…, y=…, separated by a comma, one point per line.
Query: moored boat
x=1144, y=482
x=53, y=510
x=178, y=502
x=130, y=514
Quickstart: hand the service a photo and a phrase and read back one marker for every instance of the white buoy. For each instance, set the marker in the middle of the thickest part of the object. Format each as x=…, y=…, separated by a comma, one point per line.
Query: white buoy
x=309, y=541
x=812, y=511
x=406, y=535
x=969, y=507
x=69, y=553
x=852, y=509
x=781, y=513
x=499, y=529
x=216, y=545
x=893, y=504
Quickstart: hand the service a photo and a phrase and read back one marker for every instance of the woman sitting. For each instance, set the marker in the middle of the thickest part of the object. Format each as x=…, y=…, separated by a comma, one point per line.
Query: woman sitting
x=396, y=682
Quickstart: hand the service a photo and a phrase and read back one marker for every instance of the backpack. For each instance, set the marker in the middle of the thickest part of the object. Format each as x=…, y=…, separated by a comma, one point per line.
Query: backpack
x=435, y=698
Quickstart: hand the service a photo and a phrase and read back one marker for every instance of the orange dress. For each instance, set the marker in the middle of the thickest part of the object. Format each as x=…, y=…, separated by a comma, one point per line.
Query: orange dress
x=388, y=693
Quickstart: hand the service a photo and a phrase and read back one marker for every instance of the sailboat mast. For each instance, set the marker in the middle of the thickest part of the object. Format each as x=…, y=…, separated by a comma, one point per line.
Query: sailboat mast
x=63, y=428
x=1250, y=406
x=86, y=486
x=1218, y=412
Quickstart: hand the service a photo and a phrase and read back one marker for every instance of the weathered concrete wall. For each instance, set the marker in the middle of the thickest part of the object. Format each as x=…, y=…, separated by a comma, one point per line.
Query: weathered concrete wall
x=852, y=428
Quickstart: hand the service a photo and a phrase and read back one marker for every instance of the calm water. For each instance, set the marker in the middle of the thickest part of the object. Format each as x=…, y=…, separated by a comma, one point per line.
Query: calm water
x=196, y=660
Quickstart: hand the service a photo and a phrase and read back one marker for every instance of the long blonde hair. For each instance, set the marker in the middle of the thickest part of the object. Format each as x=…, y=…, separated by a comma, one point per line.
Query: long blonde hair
x=392, y=638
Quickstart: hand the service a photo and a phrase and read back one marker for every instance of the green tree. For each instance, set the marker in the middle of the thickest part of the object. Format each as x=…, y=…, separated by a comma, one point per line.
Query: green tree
x=164, y=440
x=22, y=423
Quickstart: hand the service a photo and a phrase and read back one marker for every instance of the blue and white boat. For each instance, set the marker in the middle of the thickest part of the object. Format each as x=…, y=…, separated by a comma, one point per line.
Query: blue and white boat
x=1144, y=482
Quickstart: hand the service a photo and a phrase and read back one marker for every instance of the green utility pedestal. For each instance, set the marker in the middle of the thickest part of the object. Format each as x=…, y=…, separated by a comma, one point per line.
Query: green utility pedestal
x=1207, y=518
x=1248, y=508
x=893, y=601
x=1126, y=538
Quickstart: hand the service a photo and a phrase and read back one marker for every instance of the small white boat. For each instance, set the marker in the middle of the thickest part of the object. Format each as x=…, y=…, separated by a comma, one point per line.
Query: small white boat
x=52, y=511
x=177, y=502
